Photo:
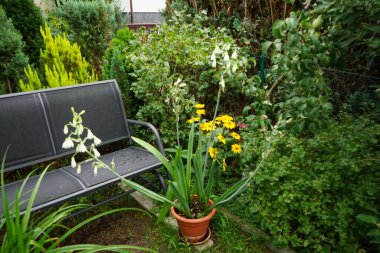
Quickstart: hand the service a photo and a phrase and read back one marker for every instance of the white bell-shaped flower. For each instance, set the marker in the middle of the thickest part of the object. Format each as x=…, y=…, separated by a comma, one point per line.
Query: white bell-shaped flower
x=68, y=143
x=73, y=162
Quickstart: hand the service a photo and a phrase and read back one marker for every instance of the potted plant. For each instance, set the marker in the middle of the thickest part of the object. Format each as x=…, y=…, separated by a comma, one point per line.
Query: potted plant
x=193, y=174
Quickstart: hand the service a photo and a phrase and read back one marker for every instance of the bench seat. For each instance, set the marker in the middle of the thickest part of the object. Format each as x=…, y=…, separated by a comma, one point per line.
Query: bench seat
x=32, y=132
x=64, y=184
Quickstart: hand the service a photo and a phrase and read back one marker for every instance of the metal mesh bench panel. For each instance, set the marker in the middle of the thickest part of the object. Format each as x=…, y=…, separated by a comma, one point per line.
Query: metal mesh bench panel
x=23, y=126
x=55, y=184
x=104, y=111
x=128, y=162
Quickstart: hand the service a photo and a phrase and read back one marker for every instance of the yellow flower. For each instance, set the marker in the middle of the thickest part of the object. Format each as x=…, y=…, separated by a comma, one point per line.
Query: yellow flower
x=224, y=165
x=201, y=112
x=213, y=152
x=199, y=106
x=194, y=119
x=236, y=148
x=221, y=138
x=235, y=135
x=229, y=125
x=207, y=126
x=226, y=118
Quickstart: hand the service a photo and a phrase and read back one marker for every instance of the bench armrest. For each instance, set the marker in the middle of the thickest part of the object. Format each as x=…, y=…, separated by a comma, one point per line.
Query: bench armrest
x=132, y=123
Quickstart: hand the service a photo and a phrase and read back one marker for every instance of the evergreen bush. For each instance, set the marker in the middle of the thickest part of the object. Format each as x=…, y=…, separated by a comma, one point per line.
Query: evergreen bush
x=310, y=190
x=12, y=59
x=27, y=18
x=91, y=24
x=62, y=62
x=117, y=65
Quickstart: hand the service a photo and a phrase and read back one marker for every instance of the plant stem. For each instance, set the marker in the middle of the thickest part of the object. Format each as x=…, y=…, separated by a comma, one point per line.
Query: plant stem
x=177, y=129
x=212, y=127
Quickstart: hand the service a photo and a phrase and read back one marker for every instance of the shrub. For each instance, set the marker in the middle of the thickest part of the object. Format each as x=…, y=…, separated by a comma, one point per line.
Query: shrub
x=310, y=190
x=117, y=65
x=181, y=50
x=12, y=59
x=91, y=24
x=27, y=19
x=63, y=64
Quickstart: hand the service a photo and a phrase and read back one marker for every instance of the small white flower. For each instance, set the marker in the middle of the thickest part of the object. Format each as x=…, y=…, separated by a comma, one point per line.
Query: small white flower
x=226, y=57
x=234, y=55
x=96, y=152
x=113, y=163
x=95, y=170
x=79, y=169
x=213, y=58
x=217, y=50
x=80, y=129
x=65, y=130
x=214, y=64
x=222, y=83
x=81, y=147
x=90, y=135
x=68, y=143
x=73, y=162
x=97, y=141
x=234, y=67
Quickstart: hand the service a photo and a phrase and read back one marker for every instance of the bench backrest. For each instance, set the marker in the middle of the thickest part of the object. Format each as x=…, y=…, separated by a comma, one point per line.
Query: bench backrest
x=32, y=122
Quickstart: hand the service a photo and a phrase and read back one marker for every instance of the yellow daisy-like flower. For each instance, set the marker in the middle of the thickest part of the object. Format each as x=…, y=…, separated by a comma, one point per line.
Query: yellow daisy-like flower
x=219, y=118
x=236, y=148
x=229, y=125
x=224, y=165
x=201, y=112
x=213, y=152
x=235, y=135
x=221, y=138
x=195, y=119
x=226, y=118
x=207, y=126
x=199, y=106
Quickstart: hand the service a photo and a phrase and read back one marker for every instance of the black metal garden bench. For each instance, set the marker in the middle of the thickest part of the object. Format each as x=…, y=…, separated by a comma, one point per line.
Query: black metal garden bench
x=31, y=127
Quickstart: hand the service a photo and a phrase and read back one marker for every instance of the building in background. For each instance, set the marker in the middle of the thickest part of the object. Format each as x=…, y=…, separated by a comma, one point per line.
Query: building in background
x=143, y=11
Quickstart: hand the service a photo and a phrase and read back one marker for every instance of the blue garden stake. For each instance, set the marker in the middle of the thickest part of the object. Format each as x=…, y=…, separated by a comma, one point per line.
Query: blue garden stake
x=262, y=70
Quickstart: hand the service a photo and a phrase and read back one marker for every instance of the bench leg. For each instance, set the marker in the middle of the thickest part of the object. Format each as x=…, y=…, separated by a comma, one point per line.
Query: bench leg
x=161, y=180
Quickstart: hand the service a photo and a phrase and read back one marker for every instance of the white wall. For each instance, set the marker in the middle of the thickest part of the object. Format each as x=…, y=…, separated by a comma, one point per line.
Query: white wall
x=143, y=5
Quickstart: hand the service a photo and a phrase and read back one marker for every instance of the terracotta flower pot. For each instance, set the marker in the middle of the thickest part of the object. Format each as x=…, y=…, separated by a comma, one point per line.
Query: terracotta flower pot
x=194, y=230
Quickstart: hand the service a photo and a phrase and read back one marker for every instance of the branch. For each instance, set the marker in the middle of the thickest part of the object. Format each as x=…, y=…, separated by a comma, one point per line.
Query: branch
x=274, y=86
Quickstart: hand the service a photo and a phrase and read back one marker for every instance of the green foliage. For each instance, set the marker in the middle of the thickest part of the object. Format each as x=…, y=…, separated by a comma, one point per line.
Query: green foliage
x=181, y=50
x=27, y=19
x=63, y=64
x=24, y=233
x=12, y=59
x=118, y=66
x=354, y=30
x=91, y=24
x=309, y=49
x=374, y=231
x=310, y=190
x=299, y=88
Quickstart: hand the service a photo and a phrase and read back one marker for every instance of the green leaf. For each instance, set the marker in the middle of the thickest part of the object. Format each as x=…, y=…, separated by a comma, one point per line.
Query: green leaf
x=265, y=46
x=279, y=29
x=367, y=218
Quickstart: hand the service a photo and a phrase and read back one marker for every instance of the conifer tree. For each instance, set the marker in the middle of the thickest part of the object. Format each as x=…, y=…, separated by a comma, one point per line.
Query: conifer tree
x=27, y=19
x=62, y=62
x=12, y=59
x=92, y=24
